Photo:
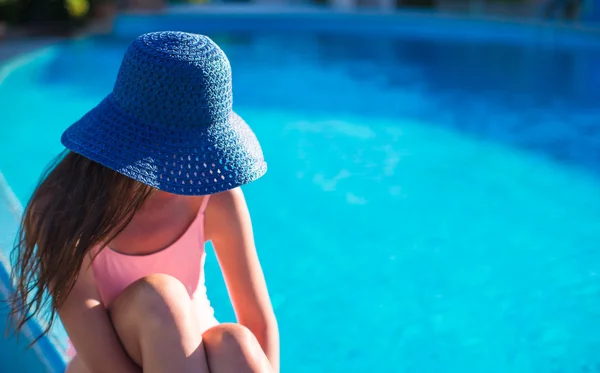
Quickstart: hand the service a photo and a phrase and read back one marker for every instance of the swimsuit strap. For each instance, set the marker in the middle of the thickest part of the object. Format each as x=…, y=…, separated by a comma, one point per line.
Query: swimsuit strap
x=204, y=204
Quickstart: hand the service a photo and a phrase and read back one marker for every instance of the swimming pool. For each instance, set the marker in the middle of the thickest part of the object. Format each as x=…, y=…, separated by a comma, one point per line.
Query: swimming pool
x=432, y=204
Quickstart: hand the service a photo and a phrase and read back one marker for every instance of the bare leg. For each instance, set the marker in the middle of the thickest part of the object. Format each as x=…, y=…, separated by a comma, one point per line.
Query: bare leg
x=232, y=348
x=157, y=324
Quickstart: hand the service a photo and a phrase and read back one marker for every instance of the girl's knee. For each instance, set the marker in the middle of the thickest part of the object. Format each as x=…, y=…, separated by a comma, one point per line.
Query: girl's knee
x=151, y=299
x=228, y=336
x=153, y=308
x=233, y=348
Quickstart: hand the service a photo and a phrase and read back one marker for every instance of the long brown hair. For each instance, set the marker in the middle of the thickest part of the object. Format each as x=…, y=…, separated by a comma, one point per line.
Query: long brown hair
x=78, y=205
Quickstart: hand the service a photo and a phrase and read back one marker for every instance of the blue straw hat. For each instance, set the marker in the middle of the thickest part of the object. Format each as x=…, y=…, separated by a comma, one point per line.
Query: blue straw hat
x=168, y=122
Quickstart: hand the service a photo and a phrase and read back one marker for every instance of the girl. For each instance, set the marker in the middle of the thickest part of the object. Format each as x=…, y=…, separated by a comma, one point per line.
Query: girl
x=115, y=232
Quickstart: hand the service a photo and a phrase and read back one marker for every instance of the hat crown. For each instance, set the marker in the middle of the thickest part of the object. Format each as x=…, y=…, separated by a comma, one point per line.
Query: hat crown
x=175, y=79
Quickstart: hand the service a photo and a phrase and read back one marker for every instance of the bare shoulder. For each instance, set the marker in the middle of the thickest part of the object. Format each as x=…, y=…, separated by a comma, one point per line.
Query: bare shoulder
x=227, y=200
x=225, y=212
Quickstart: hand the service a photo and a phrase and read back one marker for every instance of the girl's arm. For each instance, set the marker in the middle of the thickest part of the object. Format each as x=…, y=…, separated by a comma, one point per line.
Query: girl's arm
x=228, y=226
x=90, y=329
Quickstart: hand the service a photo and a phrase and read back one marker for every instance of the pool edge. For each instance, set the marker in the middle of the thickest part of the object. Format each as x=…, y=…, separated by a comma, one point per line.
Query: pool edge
x=47, y=349
x=216, y=18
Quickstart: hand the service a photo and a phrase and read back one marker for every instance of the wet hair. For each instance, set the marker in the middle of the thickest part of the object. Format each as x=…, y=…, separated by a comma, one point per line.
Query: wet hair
x=77, y=206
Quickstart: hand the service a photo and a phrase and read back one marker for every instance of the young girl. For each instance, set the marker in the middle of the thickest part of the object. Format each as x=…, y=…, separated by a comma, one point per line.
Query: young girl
x=115, y=232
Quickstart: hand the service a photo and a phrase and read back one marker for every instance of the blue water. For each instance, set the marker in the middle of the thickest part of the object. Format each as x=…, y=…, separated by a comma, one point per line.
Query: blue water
x=430, y=206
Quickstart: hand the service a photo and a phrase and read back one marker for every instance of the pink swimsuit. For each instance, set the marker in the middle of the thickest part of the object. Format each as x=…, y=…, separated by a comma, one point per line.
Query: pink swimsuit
x=184, y=260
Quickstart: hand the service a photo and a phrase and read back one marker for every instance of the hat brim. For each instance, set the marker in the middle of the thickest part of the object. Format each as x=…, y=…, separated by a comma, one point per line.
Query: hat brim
x=185, y=160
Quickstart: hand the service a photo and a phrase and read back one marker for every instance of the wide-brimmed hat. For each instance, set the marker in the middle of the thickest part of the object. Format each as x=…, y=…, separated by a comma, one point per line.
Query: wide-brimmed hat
x=168, y=122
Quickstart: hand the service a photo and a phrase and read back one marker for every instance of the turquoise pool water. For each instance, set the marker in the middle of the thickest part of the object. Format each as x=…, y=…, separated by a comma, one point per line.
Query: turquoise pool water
x=431, y=206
